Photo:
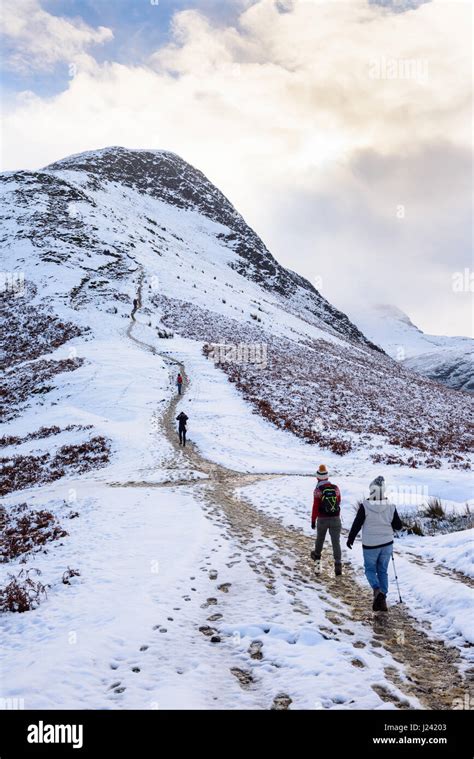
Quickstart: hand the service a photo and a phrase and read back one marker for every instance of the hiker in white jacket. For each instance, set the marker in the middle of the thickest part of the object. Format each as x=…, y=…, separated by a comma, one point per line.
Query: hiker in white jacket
x=378, y=518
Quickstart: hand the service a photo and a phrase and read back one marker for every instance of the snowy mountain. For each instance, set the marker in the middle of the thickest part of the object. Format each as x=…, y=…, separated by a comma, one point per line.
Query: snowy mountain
x=448, y=360
x=453, y=367
x=167, y=178
x=91, y=232
x=137, y=573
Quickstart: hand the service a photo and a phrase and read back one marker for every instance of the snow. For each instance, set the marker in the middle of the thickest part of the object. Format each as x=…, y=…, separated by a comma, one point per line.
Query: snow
x=223, y=425
x=449, y=360
x=148, y=533
x=454, y=550
x=389, y=327
x=136, y=555
x=138, y=548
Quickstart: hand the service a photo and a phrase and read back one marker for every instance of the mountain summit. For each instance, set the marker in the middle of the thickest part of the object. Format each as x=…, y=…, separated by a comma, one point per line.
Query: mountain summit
x=168, y=178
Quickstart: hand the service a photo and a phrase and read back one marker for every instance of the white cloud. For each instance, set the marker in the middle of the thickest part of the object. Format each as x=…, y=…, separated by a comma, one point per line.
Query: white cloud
x=38, y=40
x=282, y=111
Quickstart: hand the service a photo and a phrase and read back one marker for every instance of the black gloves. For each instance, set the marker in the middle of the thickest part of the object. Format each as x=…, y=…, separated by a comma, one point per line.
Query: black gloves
x=313, y=525
x=349, y=544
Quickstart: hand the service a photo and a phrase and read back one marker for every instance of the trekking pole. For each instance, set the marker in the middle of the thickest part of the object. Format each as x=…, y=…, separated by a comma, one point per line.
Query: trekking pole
x=396, y=580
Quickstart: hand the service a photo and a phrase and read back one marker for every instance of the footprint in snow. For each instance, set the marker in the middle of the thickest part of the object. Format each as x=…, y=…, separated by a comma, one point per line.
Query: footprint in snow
x=214, y=617
x=255, y=649
x=281, y=702
x=207, y=631
x=209, y=602
x=245, y=678
x=333, y=618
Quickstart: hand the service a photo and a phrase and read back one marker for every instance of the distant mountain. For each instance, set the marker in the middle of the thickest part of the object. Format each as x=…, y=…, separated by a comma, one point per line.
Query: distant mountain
x=92, y=233
x=448, y=360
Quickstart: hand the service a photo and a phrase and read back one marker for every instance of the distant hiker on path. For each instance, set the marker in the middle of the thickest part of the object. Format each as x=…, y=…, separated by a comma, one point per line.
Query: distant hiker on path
x=135, y=304
x=326, y=512
x=182, y=419
x=179, y=382
x=378, y=518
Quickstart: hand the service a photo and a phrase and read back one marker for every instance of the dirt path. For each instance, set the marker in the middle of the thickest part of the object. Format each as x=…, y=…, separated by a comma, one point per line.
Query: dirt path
x=432, y=674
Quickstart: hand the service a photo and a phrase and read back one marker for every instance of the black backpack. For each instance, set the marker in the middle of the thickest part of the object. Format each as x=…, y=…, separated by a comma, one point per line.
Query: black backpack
x=328, y=505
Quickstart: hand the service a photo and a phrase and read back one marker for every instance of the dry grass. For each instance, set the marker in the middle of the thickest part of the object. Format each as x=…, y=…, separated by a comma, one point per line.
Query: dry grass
x=433, y=519
x=22, y=593
x=26, y=380
x=434, y=509
x=69, y=574
x=28, y=331
x=20, y=472
x=337, y=396
x=23, y=530
x=40, y=434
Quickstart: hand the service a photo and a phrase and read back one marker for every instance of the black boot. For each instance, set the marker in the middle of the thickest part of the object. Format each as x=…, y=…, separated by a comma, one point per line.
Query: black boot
x=382, y=602
x=338, y=568
x=376, y=603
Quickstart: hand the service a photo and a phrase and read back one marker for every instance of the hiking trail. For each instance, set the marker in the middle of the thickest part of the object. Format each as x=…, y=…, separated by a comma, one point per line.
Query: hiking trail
x=432, y=670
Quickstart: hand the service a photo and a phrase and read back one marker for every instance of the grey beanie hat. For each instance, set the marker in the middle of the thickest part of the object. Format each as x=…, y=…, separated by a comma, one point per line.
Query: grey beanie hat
x=377, y=489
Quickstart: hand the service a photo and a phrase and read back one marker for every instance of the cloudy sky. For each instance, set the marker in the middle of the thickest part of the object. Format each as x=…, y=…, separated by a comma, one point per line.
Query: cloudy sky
x=341, y=130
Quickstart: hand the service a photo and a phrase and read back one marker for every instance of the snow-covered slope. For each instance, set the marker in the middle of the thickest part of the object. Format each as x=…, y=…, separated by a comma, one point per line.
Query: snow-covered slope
x=445, y=359
x=87, y=230
x=453, y=367
x=165, y=177
x=156, y=576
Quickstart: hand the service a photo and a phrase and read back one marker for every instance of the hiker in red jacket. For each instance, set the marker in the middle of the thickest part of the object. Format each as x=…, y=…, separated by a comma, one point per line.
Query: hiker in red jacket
x=326, y=514
x=179, y=382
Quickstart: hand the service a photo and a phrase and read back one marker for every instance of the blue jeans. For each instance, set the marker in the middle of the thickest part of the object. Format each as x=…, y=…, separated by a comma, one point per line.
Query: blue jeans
x=376, y=561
